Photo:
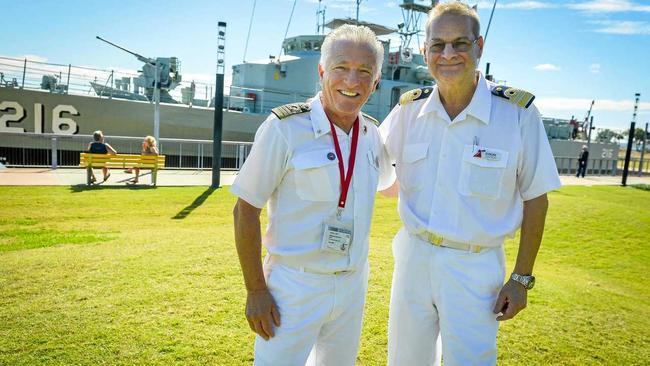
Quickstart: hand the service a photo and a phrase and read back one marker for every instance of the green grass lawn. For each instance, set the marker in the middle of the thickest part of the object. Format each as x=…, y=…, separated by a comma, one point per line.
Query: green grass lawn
x=151, y=277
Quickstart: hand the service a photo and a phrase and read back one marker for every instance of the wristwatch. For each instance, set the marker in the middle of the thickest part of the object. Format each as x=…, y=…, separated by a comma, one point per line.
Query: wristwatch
x=527, y=281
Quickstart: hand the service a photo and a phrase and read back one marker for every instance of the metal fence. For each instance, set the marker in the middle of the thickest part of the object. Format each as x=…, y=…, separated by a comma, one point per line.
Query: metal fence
x=52, y=150
x=569, y=165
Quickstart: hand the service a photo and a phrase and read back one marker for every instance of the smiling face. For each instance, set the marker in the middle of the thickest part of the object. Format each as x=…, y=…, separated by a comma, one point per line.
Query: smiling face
x=347, y=79
x=449, y=66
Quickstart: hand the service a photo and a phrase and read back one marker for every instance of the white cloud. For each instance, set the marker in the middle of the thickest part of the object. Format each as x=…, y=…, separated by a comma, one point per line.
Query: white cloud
x=624, y=27
x=609, y=6
x=594, y=68
x=546, y=67
x=568, y=104
x=521, y=5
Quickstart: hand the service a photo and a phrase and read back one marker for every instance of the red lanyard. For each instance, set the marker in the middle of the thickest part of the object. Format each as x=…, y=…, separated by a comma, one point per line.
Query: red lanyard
x=346, y=179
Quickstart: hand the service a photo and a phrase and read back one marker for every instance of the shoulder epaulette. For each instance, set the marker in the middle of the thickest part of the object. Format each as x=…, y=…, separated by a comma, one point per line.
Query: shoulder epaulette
x=370, y=118
x=415, y=94
x=287, y=110
x=520, y=97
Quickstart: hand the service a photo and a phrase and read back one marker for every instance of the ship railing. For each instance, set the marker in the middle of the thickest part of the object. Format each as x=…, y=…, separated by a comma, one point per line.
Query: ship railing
x=70, y=79
x=568, y=165
x=57, y=150
x=260, y=101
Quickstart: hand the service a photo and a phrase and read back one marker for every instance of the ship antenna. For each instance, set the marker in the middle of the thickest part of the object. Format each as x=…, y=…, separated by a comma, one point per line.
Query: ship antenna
x=250, y=25
x=320, y=13
x=358, y=3
x=487, y=30
x=287, y=30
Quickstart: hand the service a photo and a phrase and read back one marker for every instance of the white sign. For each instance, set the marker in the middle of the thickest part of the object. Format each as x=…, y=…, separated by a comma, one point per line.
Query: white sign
x=60, y=125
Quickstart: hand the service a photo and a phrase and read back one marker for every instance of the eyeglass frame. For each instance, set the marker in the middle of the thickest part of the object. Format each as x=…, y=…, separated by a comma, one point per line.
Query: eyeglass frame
x=469, y=44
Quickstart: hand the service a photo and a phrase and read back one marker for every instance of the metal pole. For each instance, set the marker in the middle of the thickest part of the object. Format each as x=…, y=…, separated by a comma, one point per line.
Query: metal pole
x=55, y=162
x=67, y=85
x=628, y=153
x=591, y=127
x=630, y=139
x=645, y=135
x=24, y=72
x=156, y=99
x=217, y=130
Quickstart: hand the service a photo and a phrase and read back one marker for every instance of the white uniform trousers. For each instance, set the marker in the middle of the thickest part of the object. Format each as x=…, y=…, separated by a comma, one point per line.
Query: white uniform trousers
x=443, y=294
x=321, y=316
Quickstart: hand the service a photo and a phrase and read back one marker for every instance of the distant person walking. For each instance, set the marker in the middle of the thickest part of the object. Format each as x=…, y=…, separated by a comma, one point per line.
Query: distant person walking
x=582, y=162
x=98, y=146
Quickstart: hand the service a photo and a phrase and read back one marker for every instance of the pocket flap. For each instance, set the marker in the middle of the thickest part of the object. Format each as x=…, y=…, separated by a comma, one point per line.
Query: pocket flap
x=485, y=157
x=313, y=159
x=414, y=152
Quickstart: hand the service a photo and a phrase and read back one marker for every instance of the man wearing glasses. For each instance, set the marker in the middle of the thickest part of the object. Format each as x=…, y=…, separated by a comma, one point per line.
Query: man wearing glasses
x=473, y=165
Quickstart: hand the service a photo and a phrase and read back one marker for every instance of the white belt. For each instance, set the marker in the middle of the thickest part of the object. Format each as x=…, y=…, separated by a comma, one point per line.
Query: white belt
x=287, y=262
x=439, y=241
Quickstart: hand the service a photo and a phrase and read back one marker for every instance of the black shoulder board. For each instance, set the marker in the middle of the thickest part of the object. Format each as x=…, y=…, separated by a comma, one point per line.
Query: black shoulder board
x=415, y=94
x=370, y=118
x=287, y=110
x=520, y=97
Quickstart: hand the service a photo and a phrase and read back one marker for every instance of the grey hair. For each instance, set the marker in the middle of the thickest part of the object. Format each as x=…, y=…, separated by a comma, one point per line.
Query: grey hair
x=359, y=34
x=455, y=8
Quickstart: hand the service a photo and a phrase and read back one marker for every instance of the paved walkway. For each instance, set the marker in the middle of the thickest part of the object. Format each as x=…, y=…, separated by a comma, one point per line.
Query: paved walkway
x=169, y=177
x=71, y=177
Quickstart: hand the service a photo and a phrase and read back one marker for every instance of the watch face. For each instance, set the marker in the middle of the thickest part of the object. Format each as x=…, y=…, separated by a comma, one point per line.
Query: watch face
x=531, y=283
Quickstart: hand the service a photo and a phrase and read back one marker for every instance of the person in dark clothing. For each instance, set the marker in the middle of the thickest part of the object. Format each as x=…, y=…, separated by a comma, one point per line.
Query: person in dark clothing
x=582, y=162
x=98, y=146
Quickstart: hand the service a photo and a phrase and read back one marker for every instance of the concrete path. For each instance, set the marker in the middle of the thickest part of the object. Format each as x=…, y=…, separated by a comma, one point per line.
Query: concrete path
x=169, y=177
x=72, y=177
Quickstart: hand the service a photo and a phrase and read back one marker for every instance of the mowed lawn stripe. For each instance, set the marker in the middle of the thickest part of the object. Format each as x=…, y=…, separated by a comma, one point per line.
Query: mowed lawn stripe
x=151, y=277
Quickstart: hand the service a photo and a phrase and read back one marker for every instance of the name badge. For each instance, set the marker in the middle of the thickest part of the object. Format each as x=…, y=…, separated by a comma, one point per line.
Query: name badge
x=337, y=237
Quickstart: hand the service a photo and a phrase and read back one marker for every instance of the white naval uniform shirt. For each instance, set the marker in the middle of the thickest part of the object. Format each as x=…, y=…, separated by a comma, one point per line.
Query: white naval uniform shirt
x=293, y=166
x=445, y=189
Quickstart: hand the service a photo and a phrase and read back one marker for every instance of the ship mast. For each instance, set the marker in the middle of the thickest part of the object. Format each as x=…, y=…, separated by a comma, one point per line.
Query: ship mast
x=411, y=13
x=320, y=18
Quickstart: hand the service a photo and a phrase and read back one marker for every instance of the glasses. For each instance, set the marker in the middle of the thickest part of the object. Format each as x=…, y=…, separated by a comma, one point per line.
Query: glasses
x=459, y=45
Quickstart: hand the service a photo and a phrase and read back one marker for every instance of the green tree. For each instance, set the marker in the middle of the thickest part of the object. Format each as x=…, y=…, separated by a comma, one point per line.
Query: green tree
x=607, y=135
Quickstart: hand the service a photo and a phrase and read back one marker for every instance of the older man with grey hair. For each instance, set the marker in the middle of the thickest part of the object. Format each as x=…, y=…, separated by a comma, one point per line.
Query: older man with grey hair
x=473, y=165
x=318, y=165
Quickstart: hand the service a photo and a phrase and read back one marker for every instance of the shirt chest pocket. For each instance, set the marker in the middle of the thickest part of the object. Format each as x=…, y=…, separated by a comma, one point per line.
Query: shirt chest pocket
x=316, y=175
x=482, y=172
x=410, y=170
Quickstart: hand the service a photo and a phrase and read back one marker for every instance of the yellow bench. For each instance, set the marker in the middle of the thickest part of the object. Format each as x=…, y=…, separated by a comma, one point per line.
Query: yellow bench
x=122, y=161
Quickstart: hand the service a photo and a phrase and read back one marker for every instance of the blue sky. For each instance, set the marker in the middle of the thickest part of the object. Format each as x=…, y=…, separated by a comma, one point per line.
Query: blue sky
x=565, y=52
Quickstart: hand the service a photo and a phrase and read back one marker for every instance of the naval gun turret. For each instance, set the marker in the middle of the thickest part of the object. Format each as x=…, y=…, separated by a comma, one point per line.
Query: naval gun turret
x=168, y=74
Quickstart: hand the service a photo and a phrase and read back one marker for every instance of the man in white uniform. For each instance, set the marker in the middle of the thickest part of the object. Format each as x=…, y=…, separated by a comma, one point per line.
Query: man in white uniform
x=473, y=165
x=318, y=165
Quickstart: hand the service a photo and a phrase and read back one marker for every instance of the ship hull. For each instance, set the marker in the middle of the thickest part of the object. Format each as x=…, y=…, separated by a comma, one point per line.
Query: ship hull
x=117, y=117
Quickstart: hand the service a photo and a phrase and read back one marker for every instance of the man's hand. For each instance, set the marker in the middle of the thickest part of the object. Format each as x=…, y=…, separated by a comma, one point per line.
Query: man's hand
x=262, y=313
x=512, y=299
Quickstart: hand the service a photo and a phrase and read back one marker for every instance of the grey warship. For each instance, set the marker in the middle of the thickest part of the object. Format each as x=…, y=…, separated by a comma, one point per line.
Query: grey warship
x=35, y=99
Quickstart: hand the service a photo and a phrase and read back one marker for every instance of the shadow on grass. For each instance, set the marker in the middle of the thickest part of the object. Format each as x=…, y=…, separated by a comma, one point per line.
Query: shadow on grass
x=77, y=188
x=197, y=202
x=643, y=187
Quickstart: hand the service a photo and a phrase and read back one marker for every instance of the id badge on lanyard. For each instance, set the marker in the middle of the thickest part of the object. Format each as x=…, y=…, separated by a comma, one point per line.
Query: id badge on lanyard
x=338, y=233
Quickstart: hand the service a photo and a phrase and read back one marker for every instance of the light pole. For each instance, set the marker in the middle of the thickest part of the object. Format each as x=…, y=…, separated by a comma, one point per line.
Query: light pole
x=217, y=130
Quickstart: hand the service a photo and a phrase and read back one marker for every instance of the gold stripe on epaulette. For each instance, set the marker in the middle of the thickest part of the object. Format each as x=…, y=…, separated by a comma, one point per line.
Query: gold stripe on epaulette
x=415, y=94
x=370, y=118
x=287, y=110
x=519, y=97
